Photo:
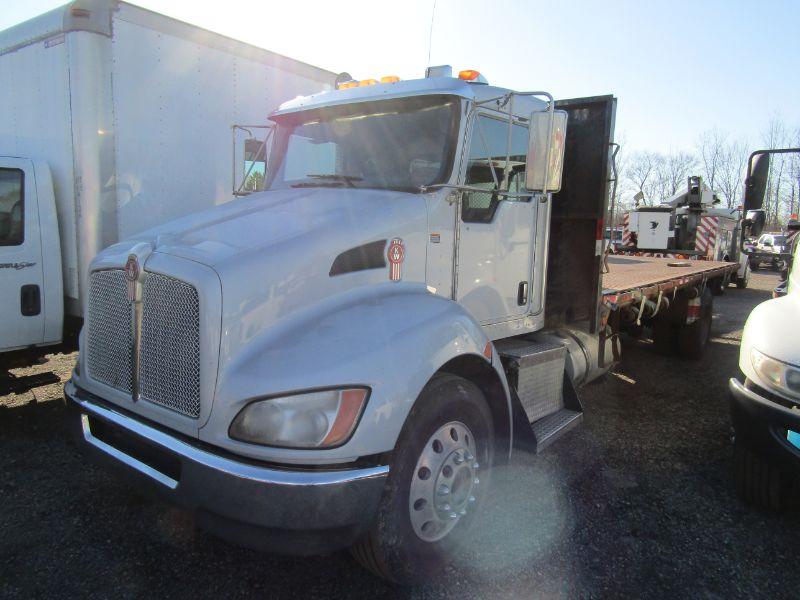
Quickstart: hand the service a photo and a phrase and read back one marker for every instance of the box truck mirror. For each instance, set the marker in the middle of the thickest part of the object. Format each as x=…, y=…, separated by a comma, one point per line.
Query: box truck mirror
x=545, y=162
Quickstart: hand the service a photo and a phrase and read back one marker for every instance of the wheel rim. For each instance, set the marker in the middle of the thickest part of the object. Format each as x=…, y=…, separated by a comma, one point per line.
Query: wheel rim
x=444, y=485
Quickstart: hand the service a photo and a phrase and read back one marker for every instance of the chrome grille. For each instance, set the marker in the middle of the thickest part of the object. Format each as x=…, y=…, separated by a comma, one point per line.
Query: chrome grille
x=169, y=369
x=110, y=330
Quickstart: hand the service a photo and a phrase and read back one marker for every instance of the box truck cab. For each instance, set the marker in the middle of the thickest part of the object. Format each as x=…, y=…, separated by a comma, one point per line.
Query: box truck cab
x=340, y=360
x=31, y=294
x=113, y=119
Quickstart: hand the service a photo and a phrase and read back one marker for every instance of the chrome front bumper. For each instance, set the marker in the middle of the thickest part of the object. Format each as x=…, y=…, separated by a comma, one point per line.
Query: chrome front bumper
x=297, y=511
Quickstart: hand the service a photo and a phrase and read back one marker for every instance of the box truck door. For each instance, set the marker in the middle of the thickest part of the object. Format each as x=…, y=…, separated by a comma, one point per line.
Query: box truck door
x=20, y=257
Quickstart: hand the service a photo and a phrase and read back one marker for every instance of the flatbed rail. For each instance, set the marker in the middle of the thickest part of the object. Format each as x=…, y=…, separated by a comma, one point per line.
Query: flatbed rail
x=631, y=278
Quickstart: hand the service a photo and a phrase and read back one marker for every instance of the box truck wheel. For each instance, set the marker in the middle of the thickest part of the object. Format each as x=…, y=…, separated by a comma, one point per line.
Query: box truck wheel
x=438, y=479
x=757, y=482
x=741, y=282
x=693, y=337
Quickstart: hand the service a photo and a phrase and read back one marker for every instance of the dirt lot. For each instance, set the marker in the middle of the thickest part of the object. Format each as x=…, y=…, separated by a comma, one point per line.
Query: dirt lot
x=638, y=502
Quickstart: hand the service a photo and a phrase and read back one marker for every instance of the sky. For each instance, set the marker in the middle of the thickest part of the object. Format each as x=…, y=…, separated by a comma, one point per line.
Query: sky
x=677, y=67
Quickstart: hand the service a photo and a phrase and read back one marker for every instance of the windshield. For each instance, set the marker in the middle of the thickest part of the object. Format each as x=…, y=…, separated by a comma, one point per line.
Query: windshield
x=389, y=144
x=779, y=240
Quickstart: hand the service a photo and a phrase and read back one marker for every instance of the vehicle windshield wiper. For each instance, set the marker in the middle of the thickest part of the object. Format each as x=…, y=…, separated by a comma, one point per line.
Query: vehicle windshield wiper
x=348, y=179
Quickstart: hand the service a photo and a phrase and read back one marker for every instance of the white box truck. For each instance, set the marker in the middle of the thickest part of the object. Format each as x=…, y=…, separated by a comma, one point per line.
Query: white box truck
x=113, y=119
x=342, y=359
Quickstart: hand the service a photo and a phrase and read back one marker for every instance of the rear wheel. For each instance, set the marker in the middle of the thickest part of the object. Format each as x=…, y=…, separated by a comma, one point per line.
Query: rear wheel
x=757, y=482
x=438, y=479
x=692, y=338
x=718, y=285
x=665, y=336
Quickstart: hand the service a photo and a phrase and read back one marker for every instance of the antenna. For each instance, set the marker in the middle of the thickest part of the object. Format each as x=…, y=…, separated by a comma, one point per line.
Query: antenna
x=430, y=33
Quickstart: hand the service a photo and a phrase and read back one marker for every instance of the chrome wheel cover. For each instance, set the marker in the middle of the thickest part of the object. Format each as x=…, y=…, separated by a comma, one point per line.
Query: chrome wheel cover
x=444, y=484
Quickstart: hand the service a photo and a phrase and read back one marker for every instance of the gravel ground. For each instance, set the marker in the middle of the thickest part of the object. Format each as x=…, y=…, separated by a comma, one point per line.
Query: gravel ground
x=637, y=502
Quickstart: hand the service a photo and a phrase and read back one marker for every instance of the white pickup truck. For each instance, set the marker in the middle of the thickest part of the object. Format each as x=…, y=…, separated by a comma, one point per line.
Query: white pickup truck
x=765, y=407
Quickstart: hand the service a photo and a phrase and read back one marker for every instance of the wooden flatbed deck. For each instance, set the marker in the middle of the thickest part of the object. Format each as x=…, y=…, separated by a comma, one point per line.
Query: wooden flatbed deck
x=631, y=277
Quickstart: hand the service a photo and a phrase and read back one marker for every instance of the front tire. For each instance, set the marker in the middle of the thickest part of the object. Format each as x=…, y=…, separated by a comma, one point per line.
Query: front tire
x=758, y=483
x=437, y=482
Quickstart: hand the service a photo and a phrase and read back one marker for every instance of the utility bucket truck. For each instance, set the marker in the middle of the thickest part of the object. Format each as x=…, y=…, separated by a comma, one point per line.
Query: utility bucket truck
x=342, y=359
x=113, y=119
x=688, y=225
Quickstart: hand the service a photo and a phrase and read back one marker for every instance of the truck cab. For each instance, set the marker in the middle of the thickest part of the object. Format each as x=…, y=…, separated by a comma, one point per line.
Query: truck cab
x=341, y=359
x=765, y=402
x=30, y=259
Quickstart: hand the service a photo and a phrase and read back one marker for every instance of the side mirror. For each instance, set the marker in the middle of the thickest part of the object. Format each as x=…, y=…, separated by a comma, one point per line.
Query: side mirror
x=250, y=156
x=544, y=141
x=755, y=221
x=755, y=184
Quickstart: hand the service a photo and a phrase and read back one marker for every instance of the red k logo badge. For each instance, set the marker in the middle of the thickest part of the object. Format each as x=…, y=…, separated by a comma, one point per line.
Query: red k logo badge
x=396, y=253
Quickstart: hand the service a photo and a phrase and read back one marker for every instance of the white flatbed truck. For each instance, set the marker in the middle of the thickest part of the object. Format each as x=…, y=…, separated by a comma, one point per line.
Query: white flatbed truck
x=341, y=360
x=113, y=119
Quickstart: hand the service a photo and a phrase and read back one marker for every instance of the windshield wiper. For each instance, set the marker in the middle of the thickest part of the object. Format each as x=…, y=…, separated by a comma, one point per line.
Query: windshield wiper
x=348, y=179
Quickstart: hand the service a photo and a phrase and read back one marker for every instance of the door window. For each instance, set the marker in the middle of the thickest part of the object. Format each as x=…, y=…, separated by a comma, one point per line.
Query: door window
x=12, y=207
x=486, y=165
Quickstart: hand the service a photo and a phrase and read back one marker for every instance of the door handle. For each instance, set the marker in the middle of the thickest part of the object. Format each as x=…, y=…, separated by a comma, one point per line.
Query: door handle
x=522, y=293
x=30, y=300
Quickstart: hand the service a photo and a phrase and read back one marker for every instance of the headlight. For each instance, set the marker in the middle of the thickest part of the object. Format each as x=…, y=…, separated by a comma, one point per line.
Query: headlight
x=778, y=374
x=322, y=419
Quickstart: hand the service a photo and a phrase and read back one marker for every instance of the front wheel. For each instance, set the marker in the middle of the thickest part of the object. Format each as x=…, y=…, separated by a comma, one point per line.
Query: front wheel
x=437, y=482
x=758, y=483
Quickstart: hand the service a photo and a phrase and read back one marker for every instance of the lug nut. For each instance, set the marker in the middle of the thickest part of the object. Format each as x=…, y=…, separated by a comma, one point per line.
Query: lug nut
x=469, y=456
x=476, y=481
x=444, y=490
x=476, y=466
x=446, y=507
x=472, y=498
x=462, y=512
x=458, y=458
x=453, y=515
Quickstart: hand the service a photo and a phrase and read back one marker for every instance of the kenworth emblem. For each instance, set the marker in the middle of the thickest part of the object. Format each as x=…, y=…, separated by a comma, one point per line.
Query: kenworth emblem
x=395, y=254
x=132, y=275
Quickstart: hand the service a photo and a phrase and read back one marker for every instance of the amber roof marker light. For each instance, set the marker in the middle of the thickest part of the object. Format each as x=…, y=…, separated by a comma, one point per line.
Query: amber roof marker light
x=472, y=76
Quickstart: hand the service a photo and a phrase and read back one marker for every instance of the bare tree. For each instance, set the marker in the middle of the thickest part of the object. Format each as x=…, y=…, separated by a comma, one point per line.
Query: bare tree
x=711, y=147
x=730, y=174
x=641, y=173
x=677, y=168
x=775, y=136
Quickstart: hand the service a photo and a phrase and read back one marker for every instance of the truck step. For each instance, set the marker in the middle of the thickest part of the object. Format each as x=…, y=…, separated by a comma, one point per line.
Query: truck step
x=535, y=369
x=552, y=427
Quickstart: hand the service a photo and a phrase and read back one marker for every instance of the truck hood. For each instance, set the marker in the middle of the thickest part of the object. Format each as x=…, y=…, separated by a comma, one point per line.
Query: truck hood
x=270, y=220
x=273, y=251
x=774, y=329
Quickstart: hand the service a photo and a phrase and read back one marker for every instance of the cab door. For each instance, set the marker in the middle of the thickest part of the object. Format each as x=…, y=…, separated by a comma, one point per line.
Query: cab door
x=496, y=233
x=21, y=275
